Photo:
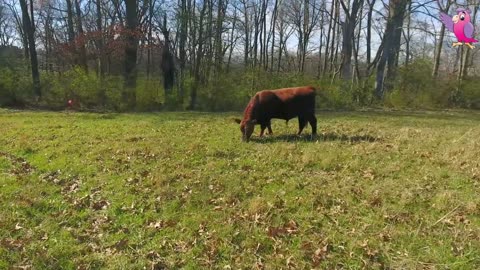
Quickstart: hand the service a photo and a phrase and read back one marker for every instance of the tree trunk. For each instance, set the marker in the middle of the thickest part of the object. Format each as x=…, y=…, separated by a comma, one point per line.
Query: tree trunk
x=255, y=37
x=438, y=48
x=391, y=48
x=319, y=67
x=21, y=29
x=232, y=40
x=29, y=28
x=304, y=44
x=218, y=38
x=357, y=48
x=167, y=64
x=101, y=49
x=274, y=24
x=182, y=48
x=247, y=33
x=193, y=34
x=265, y=45
x=199, y=55
x=81, y=37
x=348, y=33
x=371, y=4
x=334, y=30
x=210, y=41
x=407, y=38
x=461, y=65
x=327, y=44
x=131, y=47
x=149, y=38
x=280, y=48
x=71, y=32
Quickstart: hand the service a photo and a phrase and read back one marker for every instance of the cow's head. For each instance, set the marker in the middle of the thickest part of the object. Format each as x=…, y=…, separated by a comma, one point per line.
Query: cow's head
x=246, y=127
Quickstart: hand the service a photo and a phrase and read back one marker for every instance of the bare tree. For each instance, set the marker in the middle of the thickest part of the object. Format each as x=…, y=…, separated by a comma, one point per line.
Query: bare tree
x=100, y=41
x=167, y=64
x=184, y=18
x=29, y=28
x=389, y=53
x=199, y=55
x=233, y=37
x=329, y=36
x=438, y=48
x=131, y=47
x=273, y=27
x=7, y=27
x=304, y=15
x=371, y=4
x=351, y=15
x=285, y=31
x=80, y=36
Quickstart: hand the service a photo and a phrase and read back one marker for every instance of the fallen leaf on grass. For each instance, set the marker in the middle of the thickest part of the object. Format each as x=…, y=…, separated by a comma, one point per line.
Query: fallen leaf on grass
x=157, y=225
x=316, y=251
x=13, y=244
x=259, y=265
x=152, y=255
x=159, y=266
x=320, y=254
x=457, y=249
x=369, y=174
x=290, y=262
x=99, y=205
x=385, y=237
x=72, y=188
x=371, y=253
x=122, y=244
x=290, y=227
x=25, y=266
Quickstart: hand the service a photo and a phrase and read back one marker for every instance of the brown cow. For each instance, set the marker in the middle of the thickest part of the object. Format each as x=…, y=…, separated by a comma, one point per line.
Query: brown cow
x=285, y=103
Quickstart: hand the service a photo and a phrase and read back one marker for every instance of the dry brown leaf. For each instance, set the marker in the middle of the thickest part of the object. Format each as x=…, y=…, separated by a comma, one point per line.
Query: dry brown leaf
x=122, y=244
x=99, y=205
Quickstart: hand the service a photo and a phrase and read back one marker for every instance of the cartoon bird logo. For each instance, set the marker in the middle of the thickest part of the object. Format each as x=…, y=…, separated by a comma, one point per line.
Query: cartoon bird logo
x=461, y=26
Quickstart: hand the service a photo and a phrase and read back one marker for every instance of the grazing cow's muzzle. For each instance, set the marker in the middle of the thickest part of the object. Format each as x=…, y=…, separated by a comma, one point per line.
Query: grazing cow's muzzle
x=246, y=127
x=248, y=130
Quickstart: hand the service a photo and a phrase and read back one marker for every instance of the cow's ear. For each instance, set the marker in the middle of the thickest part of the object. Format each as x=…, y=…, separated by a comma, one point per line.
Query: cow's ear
x=238, y=121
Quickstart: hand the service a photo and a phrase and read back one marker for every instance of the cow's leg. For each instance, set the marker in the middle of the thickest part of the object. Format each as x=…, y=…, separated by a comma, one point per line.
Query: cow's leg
x=269, y=126
x=313, y=122
x=262, y=129
x=302, y=122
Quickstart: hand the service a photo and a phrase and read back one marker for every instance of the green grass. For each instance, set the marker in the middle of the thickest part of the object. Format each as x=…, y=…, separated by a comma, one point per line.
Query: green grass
x=180, y=190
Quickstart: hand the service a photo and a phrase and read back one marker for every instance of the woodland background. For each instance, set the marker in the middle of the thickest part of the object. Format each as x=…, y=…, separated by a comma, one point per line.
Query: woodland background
x=213, y=55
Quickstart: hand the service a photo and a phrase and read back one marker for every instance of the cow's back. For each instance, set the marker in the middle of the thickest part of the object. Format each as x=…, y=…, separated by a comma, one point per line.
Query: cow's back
x=286, y=103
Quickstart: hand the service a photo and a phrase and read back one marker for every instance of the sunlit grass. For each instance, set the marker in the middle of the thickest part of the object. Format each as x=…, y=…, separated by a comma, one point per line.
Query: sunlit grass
x=180, y=190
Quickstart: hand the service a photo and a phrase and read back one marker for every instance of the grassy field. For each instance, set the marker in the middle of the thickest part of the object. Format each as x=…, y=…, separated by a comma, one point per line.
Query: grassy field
x=180, y=190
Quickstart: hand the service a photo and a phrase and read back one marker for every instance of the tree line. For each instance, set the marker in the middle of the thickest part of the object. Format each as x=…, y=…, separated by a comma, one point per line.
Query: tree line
x=192, y=45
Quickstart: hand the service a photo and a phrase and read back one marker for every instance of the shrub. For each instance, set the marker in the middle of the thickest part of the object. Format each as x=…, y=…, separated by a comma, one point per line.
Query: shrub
x=15, y=87
x=416, y=88
x=7, y=86
x=148, y=93
x=83, y=86
x=470, y=93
